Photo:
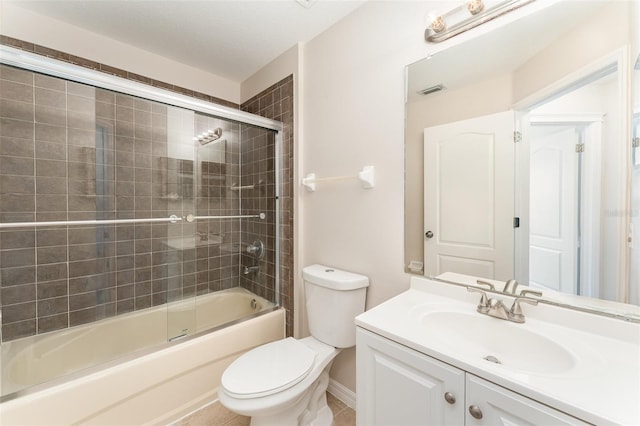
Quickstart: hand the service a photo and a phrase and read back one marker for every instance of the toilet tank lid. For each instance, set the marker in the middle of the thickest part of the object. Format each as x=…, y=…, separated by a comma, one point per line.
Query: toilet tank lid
x=335, y=279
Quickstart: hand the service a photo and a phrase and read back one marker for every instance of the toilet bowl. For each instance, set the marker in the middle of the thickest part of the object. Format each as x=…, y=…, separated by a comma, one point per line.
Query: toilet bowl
x=284, y=382
x=270, y=398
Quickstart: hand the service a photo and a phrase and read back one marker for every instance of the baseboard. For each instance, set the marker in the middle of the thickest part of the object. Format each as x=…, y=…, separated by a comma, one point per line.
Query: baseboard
x=343, y=393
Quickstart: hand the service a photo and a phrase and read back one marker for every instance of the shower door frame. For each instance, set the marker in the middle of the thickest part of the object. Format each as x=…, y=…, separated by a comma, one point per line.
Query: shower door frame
x=33, y=62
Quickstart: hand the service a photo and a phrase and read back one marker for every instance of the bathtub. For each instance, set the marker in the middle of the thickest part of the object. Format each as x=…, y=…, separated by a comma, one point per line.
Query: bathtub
x=155, y=387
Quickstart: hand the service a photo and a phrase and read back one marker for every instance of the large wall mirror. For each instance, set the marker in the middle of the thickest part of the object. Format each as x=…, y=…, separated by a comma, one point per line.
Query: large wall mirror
x=520, y=158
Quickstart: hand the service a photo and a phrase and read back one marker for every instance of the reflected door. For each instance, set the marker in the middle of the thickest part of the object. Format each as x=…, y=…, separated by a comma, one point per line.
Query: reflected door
x=554, y=204
x=468, y=176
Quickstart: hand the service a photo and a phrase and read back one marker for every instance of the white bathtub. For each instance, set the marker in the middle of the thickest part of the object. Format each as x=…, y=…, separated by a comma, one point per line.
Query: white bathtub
x=154, y=388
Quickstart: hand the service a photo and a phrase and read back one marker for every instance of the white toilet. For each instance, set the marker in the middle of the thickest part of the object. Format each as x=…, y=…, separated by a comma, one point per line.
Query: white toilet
x=284, y=383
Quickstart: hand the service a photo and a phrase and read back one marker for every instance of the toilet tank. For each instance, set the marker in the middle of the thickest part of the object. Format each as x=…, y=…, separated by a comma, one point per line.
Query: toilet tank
x=333, y=299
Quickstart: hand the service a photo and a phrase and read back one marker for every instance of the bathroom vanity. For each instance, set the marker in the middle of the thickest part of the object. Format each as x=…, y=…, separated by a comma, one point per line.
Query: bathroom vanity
x=428, y=357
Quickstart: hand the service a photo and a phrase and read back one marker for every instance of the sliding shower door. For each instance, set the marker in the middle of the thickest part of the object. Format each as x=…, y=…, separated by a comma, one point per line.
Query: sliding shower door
x=117, y=213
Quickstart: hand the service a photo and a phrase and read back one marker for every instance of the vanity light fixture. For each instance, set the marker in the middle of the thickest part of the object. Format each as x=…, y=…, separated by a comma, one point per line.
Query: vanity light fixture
x=466, y=16
x=208, y=136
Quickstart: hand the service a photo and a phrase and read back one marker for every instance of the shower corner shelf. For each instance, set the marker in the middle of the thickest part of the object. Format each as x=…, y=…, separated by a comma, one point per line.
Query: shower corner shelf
x=366, y=177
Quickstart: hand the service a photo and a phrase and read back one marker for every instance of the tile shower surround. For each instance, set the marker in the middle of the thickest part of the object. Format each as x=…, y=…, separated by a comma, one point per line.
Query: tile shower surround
x=276, y=102
x=52, y=287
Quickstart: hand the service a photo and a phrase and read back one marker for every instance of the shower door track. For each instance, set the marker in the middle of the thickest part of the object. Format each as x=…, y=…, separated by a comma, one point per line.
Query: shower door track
x=170, y=219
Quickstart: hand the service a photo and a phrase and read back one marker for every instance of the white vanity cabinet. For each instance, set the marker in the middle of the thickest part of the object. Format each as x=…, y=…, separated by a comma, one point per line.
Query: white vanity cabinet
x=397, y=385
x=500, y=406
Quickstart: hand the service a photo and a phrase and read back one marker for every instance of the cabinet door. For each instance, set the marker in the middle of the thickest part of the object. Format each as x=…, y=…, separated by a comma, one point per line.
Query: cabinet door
x=399, y=386
x=499, y=406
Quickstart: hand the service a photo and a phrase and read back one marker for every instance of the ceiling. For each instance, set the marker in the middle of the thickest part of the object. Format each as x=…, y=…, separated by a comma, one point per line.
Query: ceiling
x=230, y=38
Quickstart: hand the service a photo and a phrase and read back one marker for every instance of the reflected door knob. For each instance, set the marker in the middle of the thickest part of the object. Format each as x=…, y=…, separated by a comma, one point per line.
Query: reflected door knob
x=428, y=234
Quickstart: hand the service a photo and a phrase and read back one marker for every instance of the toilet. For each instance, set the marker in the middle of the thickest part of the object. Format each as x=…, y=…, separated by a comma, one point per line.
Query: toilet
x=284, y=382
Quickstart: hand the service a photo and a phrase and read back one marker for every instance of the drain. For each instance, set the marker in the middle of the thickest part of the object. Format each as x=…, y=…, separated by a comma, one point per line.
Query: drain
x=492, y=358
x=254, y=304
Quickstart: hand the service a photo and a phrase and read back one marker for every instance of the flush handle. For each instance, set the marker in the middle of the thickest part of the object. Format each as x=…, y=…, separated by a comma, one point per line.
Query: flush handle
x=475, y=412
x=450, y=398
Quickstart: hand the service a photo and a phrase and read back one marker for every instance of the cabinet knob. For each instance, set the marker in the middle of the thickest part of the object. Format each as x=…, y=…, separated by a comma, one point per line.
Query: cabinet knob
x=475, y=412
x=450, y=398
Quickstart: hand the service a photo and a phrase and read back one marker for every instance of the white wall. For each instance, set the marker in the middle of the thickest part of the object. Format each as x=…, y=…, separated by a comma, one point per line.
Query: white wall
x=353, y=113
x=608, y=30
x=28, y=26
x=276, y=70
x=354, y=116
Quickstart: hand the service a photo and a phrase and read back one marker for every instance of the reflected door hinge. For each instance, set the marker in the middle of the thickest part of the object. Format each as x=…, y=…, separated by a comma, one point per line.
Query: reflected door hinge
x=579, y=147
x=516, y=222
x=517, y=136
x=635, y=142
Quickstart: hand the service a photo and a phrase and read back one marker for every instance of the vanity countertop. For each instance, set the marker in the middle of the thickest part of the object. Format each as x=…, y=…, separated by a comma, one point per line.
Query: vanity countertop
x=594, y=377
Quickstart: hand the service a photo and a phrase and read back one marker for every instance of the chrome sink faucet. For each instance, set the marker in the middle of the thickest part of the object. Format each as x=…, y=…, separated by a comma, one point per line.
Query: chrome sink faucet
x=497, y=309
x=510, y=287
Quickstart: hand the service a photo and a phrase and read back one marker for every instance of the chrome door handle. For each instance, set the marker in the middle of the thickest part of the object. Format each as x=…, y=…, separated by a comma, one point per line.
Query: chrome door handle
x=428, y=234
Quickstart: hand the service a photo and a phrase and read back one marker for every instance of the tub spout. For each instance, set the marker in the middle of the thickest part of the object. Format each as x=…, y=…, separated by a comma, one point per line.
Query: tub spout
x=250, y=269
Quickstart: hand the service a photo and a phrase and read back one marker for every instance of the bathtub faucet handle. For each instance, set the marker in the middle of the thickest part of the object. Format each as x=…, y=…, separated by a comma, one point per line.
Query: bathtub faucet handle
x=256, y=249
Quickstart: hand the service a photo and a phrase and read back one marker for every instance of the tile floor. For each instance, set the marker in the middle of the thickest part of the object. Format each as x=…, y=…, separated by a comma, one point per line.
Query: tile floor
x=216, y=415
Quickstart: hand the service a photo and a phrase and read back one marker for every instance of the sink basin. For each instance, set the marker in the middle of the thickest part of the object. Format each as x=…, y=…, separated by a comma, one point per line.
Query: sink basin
x=497, y=341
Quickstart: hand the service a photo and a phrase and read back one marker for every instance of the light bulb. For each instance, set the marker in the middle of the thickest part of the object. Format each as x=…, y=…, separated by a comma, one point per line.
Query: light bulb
x=475, y=6
x=438, y=25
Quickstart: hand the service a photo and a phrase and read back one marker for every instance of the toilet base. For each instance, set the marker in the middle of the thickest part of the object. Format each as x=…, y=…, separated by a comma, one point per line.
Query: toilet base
x=324, y=417
x=310, y=410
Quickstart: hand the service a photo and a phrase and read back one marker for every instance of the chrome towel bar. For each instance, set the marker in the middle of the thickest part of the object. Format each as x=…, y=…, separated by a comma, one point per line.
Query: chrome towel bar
x=171, y=219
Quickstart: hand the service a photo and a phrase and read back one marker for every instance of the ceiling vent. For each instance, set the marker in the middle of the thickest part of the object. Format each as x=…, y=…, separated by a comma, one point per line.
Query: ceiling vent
x=432, y=89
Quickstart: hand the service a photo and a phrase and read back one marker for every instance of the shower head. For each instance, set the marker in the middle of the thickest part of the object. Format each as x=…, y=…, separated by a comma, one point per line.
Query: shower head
x=209, y=136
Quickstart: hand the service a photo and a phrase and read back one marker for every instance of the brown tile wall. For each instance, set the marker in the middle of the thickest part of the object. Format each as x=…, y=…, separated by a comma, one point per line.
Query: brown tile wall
x=74, y=152
x=53, y=278
x=217, y=171
x=276, y=103
x=258, y=169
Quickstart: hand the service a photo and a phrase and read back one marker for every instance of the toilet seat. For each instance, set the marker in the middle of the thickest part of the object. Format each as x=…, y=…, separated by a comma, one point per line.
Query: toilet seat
x=268, y=369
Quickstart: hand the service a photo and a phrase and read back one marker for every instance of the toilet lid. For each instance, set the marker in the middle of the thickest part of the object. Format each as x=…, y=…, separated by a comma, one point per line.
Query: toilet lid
x=268, y=369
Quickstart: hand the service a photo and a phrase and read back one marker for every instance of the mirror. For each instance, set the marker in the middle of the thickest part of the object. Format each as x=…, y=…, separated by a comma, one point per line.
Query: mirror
x=518, y=161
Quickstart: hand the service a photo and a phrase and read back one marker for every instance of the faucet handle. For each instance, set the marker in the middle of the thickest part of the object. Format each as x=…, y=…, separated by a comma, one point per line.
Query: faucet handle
x=532, y=292
x=487, y=283
x=483, y=305
x=515, y=313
